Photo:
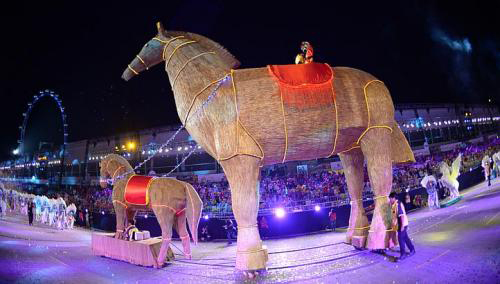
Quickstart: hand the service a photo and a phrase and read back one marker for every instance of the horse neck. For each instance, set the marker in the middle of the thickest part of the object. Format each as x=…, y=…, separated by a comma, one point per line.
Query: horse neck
x=116, y=168
x=191, y=68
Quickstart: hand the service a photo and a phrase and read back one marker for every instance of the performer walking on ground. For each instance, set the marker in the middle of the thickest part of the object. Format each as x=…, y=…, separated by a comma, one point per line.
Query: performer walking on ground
x=430, y=184
x=229, y=227
x=333, y=219
x=30, y=213
x=403, y=238
x=264, y=227
x=487, y=164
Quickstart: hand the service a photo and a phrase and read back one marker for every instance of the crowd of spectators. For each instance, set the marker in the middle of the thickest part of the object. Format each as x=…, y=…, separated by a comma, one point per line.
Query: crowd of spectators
x=328, y=185
x=295, y=190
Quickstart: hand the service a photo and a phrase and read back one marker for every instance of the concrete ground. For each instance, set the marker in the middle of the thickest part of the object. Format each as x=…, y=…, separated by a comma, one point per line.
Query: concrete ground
x=457, y=244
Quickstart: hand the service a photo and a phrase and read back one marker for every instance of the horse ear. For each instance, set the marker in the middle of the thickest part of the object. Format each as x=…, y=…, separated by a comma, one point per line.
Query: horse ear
x=160, y=28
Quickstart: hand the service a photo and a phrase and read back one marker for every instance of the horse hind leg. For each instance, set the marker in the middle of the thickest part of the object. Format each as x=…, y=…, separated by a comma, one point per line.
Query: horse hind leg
x=166, y=220
x=352, y=163
x=376, y=147
x=184, y=235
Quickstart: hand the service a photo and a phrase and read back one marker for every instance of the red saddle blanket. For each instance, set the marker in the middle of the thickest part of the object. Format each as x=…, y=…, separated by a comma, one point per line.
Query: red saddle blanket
x=137, y=190
x=302, y=74
x=307, y=97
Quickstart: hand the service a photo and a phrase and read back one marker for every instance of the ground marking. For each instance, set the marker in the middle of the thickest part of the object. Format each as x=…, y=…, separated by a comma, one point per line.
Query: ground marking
x=492, y=218
x=432, y=259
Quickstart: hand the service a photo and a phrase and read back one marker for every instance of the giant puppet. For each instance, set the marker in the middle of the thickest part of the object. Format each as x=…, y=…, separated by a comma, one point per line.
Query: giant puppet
x=264, y=116
x=175, y=203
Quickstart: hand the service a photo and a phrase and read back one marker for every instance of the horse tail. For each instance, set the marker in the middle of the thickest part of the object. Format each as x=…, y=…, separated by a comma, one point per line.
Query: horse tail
x=194, y=206
x=401, y=150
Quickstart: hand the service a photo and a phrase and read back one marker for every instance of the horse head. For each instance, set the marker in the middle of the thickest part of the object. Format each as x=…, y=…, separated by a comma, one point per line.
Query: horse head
x=111, y=167
x=150, y=55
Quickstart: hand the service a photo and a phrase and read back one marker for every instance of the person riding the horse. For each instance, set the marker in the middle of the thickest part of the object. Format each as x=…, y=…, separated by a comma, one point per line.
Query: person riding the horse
x=307, y=53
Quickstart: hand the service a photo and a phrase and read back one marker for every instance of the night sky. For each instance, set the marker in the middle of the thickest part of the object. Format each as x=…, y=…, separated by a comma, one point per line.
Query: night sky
x=424, y=51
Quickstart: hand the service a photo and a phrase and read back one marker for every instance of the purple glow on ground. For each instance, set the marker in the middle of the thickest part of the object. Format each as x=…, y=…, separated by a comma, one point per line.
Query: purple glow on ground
x=456, y=244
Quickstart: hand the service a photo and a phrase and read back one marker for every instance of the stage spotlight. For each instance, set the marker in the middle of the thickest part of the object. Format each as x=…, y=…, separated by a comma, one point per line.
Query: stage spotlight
x=205, y=217
x=146, y=216
x=102, y=212
x=279, y=212
x=317, y=208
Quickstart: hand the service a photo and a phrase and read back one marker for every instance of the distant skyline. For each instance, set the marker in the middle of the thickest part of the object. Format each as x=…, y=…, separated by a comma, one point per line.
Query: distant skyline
x=425, y=52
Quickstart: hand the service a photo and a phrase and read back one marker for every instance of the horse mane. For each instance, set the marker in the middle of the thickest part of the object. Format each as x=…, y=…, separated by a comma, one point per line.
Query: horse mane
x=117, y=158
x=209, y=44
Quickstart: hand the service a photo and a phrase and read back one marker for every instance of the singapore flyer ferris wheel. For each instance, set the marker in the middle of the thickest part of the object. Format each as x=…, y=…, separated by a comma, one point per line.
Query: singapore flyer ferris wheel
x=36, y=98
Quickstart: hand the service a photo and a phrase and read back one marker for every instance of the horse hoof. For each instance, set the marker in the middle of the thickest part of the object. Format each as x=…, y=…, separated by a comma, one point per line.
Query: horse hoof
x=250, y=274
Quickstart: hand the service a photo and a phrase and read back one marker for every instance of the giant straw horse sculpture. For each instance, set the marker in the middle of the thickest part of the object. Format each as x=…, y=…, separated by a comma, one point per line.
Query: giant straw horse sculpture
x=256, y=119
x=175, y=203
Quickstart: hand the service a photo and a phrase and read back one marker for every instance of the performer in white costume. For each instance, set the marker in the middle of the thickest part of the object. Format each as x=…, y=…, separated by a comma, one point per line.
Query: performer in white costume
x=52, y=211
x=38, y=208
x=61, y=213
x=45, y=210
x=486, y=163
x=430, y=184
x=70, y=215
x=450, y=175
x=496, y=164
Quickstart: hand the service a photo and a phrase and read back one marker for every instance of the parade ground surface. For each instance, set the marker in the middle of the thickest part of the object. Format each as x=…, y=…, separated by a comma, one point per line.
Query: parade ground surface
x=456, y=244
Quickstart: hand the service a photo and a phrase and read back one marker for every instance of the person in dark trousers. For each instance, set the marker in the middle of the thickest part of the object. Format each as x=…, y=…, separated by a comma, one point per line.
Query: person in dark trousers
x=30, y=213
x=333, y=219
x=403, y=238
x=264, y=227
x=229, y=227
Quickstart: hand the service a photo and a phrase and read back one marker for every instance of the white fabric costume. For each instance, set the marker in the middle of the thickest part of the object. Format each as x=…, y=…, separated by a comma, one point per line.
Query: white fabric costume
x=496, y=164
x=61, y=213
x=485, y=163
x=70, y=213
x=450, y=175
x=430, y=183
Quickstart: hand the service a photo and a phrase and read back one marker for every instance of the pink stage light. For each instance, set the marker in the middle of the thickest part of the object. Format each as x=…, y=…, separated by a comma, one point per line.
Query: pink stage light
x=279, y=212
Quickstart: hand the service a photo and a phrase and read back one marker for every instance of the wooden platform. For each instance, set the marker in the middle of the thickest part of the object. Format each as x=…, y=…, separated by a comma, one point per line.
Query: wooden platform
x=142, y=253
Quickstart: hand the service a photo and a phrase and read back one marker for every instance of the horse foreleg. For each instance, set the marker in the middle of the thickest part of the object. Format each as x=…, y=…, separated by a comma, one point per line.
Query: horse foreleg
x=376, y=147
x=352, y=163
x=166, y=219
x=184, y=235
x=120, y=220
x=243, y=174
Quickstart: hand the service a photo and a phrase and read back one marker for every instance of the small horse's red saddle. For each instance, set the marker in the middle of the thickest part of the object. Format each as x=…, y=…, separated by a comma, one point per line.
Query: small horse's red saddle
x=301, y=74
x=137, y=190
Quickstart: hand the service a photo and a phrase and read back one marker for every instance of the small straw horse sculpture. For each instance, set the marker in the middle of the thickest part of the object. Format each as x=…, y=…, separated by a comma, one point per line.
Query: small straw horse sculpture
x=175, y=203
x=244, y=128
